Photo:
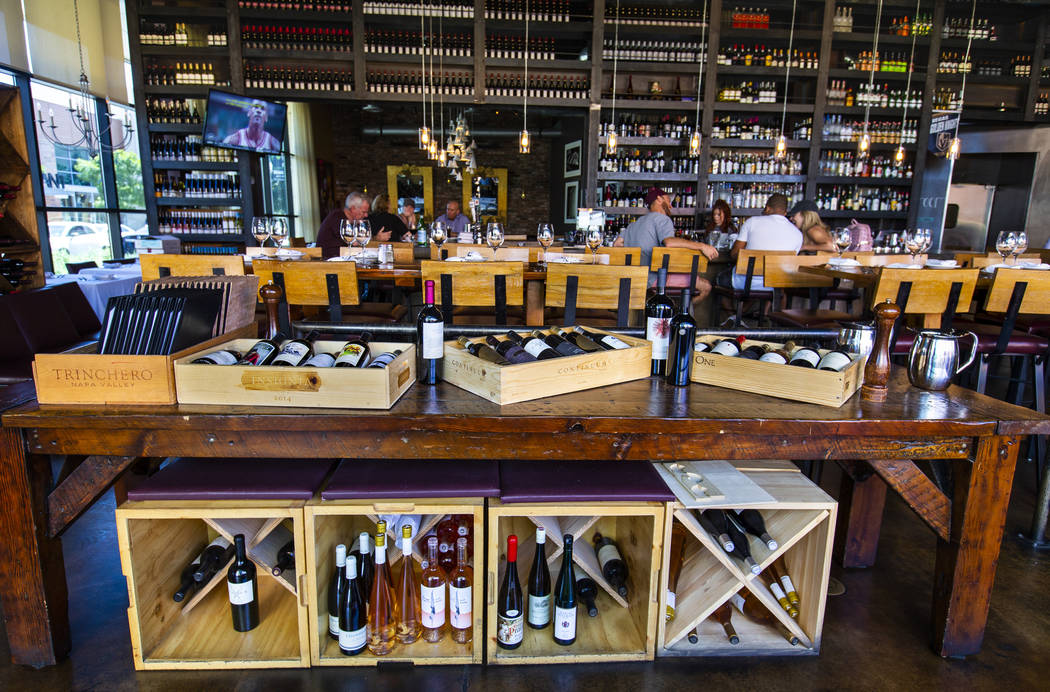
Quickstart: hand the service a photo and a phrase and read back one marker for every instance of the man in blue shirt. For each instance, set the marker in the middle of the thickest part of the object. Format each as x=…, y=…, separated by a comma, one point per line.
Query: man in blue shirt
x=454, y=220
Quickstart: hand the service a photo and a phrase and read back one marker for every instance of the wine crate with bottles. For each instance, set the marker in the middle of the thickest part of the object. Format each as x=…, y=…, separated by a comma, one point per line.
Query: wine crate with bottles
x=177, y=557
x=746, y=573
x=434, y=612
x=591, y=602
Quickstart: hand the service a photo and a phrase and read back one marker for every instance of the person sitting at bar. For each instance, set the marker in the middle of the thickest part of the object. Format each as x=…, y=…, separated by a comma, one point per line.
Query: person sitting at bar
x=386, y=223
x=656, y=228
x=407, y=213
x=355, y=208
x=454, y=220
x=815, y=236
x=770, y=231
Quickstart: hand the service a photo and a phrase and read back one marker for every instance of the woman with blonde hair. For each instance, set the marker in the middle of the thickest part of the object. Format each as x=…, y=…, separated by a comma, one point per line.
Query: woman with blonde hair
x=815, y=233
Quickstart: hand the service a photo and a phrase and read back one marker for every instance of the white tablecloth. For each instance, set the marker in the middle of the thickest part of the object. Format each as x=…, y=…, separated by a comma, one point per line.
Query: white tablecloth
x=99, y=285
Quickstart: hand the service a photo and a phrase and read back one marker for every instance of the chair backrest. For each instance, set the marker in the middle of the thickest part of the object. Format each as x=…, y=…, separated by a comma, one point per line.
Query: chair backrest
x=873, y=260
x=307, y=283
x=679, y=260
x=744, y=258
x=1036, y=291
x=156, y=266
x=483, y=250
x=781, y=271
x=476, y=284
x=585, y=258
x=608, y=287
x=268, y=253
x=926, y=291
x=982, y=262
x=513, y=254
x=623, y=255
x=75, y=267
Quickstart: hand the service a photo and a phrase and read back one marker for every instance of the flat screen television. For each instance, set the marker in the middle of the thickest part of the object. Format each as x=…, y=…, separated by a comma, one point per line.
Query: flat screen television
x=244, y=122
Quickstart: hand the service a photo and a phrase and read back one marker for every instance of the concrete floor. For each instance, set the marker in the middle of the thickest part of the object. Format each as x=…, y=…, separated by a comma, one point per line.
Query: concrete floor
x=875, y=636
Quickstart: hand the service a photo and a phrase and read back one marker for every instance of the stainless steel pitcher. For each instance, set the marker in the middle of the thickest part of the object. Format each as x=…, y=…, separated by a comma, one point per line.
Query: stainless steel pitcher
x=934, y=357
x=857, y=337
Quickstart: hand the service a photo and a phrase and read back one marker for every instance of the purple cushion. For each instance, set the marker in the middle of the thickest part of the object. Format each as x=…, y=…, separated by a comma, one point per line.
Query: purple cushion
x=581, y=481
x=76, y=304
x=234, y=479
x=44, y=321
x=379, y=478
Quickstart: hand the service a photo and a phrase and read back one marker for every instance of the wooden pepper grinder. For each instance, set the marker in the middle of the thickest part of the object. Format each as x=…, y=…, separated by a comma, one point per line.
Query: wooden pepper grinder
x=877, y=369
x=271, y=295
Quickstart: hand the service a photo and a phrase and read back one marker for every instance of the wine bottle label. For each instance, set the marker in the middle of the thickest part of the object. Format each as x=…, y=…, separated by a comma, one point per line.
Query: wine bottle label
x=808, y=355
x=834, y=360
x=606, y=553
x=241, y=594
x=321, y=360
x=539, y=610
x=610, y=340
x=564, y=623
x=772, y=357
x=352, y=641
x=658, y=331
x=777, y=591
x=461, y=614
x=536, y=347
x=333, y=625
x=433, y=340
x=218, y=358
x=788, y=585
x=726, y=348
x=351, y=355
x=510, y=627
x=432, y=605
x=259, y=353
x=292, y=353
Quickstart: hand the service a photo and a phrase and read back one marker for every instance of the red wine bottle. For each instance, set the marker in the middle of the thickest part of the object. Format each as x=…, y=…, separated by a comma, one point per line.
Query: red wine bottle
x=680, y=346
x=510, y=350
x=750, y=520
x=565, y=598
x=187, y=584
x=715, y=523
x=337, y=591
x=285, y=558
x=430, y=339
x=658, y=313
x=540, y=585
x=295, y=351
x=264, y=351
x=353, y=636
x=537, y=348
x=559, y=344
x=586, y=592
x=740, y=550
x=510, y=625
x=243, y=589
x=214, y=558
x=610, y=342
x=614, y=569
x=354, y=353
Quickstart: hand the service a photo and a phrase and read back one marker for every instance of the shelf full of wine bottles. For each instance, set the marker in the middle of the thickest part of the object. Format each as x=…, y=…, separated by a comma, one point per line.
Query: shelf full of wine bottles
x=432, y=555
x=192, y=604
x=584, y=571
x=311, y=38
x=296, y=77
x=742, y=576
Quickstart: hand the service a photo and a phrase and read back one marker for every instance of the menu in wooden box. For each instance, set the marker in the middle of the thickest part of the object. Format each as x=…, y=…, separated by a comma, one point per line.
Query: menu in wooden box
x=507, y=384
x=824, y=387
x=252, y=385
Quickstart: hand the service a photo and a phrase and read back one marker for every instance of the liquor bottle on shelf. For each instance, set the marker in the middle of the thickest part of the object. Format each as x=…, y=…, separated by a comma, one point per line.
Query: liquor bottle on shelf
x=680, y=346
x=674, y=568
x=409, y=625
x=752, y=609
x=243, y=589
x=382, y=607
x=741, y=550
x=215, y=556
x=609, y=341
x=353, y=617
x=430, y=339
x=295, y=351
x=750, y=520
x=586, y=592
x=432, y=595
x=777, y=590
x=337, y=591
x=285, y=559
x=264, y=351
x=460, y=596
x=843, y=20
x=510, y=626
x=482, y=351
x=510, y=350
x=613, y=566
x=539, y=590
x=723, y=615
x=778, y=570
x=565, y=598
x=714, y=521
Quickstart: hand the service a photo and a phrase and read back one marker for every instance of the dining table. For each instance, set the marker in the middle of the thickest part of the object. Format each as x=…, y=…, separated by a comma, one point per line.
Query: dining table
x=99, y=284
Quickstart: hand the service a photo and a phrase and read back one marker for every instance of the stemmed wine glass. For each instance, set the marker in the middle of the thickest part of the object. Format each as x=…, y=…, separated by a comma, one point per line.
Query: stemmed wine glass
x=494, y=235
x=1005, y=243
x=364, y=233
x=1020, y=244
x=439, y=234
x=843, y=240
x=261, y=230
x=348, y=232
x=594, y=241
x=927, y=240
x=545, y=237
x=278, y=230
x=913, y=244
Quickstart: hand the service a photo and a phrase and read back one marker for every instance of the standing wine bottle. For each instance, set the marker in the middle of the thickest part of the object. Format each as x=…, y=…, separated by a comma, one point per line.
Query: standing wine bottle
x=779, y=571
x=432, y=595
x=482, y=351
x=355, y=352
x=353, y=617
x=510, y=625
x=680, y=346
x=337, y=591
x=614, y=569
x=723, y=615
x=537, y=348
x=264, y=351
x=715, y=523
x=510, y=350
x=610, y=342
x=382, y=607
x=540, y=585
x=214, y=558
x=565, y=598
x=586, y=592
x=674, y=567
x=559, y=344
x=243, y=589
x=410, y=624
x=285, y=558
x=365, y=562
x=461, y=595
x=750, y=520
x=430, y=339
x=296, y=351
x=658, y=313
x=741, y=550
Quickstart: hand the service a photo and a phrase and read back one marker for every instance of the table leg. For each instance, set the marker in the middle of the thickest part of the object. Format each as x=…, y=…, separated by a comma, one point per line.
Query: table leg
x=966, y=562
x=534, y=296
x=861, y=500
x=32, y=571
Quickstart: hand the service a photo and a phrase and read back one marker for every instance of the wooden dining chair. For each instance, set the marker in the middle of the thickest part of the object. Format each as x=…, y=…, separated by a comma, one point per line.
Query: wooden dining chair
x=600, y=295
x=583, y=258
x=156, y=266
x=513, y=254
x=996, y=258
x=622, y=255
x=933, y=295
x=77, y=267
x=781, y=274
x=747, y=300
x=478, y=292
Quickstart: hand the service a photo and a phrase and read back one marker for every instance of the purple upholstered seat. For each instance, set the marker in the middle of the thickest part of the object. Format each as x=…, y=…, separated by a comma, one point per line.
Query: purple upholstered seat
x=234, y=479
x=357, y=479
x=581, y=481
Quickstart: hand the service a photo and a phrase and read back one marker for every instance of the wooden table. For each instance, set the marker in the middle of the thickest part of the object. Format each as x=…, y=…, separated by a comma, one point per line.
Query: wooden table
x=645, y=419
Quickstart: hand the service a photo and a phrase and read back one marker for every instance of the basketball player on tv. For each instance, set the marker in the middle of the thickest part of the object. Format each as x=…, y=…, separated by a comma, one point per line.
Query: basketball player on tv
x=254, y=136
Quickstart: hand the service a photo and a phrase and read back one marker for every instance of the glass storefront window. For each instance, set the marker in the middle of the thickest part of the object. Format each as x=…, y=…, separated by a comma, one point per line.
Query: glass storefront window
x=132, y=225
x=72, y=177
x=78, y=236
x=127, y=162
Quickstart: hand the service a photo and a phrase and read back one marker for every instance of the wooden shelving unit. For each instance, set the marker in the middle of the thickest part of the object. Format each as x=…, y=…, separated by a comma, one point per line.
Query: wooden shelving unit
x=18, y=216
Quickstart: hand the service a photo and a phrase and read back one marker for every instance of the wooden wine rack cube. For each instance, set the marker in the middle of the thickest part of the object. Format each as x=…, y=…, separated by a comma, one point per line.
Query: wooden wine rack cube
x=159, y=538
x=802, y=521
x=625, y=629
x=330, y=522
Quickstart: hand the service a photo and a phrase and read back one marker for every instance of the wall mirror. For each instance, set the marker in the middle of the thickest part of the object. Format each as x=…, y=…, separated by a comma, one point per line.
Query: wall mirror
x=489, y=185
x=412, y=182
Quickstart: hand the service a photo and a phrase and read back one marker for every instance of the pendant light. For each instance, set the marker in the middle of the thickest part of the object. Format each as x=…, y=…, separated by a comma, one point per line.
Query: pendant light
x=524, y=141
x=695, y=138
x=955, y=147
x=442, y=155
x=864, y=145
x=432, y=148
x=898, y=155
x=424, y=131
x=781, y=150
x=610, y=141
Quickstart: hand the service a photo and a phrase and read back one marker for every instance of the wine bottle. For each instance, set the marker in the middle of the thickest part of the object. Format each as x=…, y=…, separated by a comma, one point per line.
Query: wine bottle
x=723, y=615
x=337, y=591
x=752, y=352
x=728, y=347
x=432, y=595
x=320, y=360
x=461, y=596
x=365, y=562
x=353, y=618
x=750, y=520
x=774, y=586
x=410, y=624
x=559, y=344
x=296, y=351
x=805, y=357
x=715, y=523
x=779, y=571
x=381, y=530
x=482, y=351
x=565, y=598
x=659, y=310
x=224, y=357
x=674, y=568
x=586, y=592
x=510, y=625
x=540, y=585
x=214, y=558
x=384, y=359
x=354, y=353
x=187, y=584
x=741, y=550
x=680, y=347
x=382, y=608
x=285, y=558
x=243, y=589
x=510, y=350
x=751, y=608
x=264, y=351
x=614, y=569
x=430, y=339
x=835, y=360
x=537, y=348
x=772, y=354
x=611, y=343
x=579, y=340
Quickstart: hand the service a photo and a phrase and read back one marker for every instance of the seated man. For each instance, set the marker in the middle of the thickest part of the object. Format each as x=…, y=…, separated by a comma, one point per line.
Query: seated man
x=355, y=208
x=770, y=231
x=454, y=220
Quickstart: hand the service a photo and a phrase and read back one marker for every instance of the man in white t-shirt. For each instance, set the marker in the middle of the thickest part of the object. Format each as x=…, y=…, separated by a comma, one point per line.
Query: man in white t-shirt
x=771, y=231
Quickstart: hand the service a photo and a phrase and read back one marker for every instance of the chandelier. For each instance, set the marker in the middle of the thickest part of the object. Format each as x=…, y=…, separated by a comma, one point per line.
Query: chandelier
x=87, y=130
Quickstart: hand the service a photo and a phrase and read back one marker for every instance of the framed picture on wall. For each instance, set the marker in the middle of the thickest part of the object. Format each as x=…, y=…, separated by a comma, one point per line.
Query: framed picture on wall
x=572, y=200
x=573, y=159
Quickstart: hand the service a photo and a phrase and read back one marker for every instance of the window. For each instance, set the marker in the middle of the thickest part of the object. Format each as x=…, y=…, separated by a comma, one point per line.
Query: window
x=276, y=191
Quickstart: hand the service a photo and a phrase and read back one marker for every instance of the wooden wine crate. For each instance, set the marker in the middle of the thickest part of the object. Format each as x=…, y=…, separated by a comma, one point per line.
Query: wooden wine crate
x=330, y=522
x=86, y=377
x=158, y=539
x=625, y=629
x=801, y=518
x=250, y=385
x=507, y=384
x=779, y=380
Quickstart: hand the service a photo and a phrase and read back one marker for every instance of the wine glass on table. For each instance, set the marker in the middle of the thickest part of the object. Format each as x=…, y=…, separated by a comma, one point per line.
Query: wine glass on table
x=279, y=230
x=494, y=235
x=843, y=239
x=927, y=240
x=913, y=244
x=1004, y=244
x=594, y=241
x=1020, y=244
x=364, y=233
x=545, y=237
x=261, y=230
x=348, y=232
x=439, y=234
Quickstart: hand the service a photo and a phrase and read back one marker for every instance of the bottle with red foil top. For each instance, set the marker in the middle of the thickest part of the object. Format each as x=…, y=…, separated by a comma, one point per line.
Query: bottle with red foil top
x=510, y=625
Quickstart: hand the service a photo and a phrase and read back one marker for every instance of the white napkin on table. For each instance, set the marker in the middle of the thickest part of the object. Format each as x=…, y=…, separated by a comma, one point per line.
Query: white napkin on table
x=903, y=265
x=941, y=264
x=843, y=262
